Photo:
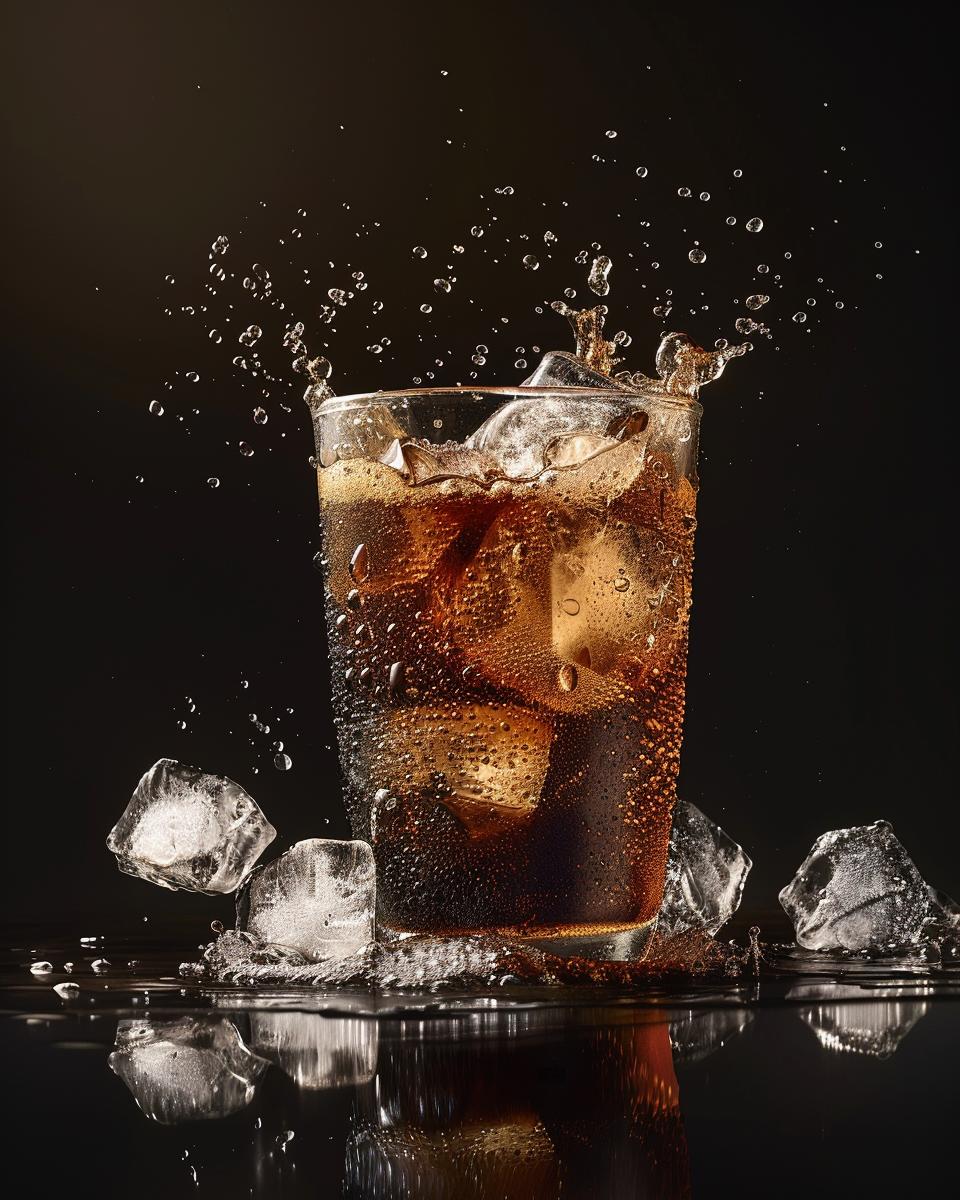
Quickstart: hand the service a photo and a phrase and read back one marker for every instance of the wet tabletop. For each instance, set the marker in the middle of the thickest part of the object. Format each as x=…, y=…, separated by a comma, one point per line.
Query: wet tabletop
x=819, y=1077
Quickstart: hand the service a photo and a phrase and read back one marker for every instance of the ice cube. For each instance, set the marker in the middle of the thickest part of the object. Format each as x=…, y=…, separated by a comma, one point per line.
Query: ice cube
x=847, y=1023
x=706, y=871
x=558, y=368
x=195, y=1068
x=858, y=889
x=486, y=763
x=186, y=829
x=344, y=429
x=318, y=899
x=526, y=435
x=570, y=608
x=315, y=1050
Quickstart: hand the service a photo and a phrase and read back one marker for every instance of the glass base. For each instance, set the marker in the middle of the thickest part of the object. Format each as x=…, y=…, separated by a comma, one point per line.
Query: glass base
x=616, y=943
x=622, y=944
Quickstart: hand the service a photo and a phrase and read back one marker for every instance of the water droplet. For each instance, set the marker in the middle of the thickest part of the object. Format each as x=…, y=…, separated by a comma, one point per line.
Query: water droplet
x=570, y=607
x=520, y=364
x=360, y=564
x=246, y=449
x=260, y=416
x=549, y=236
x=800, y=317
x=155, y=407
x=878, y=245
x=251, y=335
x=426, y=308
x=755, y=302
x=419, y=252
x=169, y=279
x=697, y=255
x=397, y=680
x=838, y=304
x=476, y=231
x=193, y=376
x=442, y=285
x=704, y=195
x=737, y=173
x=611, y=133
x=283, y=762
x=754, y=225
x=642, y=172
x=215, y=337
x=731, y=220
x=531, y=262
x=478, y=359
x=684, y=191
x=598, y=280
x=567, y=677
x=213, y=481
x=621, y=584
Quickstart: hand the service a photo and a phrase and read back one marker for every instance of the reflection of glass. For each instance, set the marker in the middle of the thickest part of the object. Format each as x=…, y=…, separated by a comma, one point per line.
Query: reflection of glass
x=317, y=1051
x=509, y=653
x=845, y=1021
x=700, y=1031
x=495, y=1106
x=196, y=1068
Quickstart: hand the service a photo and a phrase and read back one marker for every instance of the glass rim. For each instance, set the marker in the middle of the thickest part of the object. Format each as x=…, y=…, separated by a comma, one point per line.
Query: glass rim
x=357, y=400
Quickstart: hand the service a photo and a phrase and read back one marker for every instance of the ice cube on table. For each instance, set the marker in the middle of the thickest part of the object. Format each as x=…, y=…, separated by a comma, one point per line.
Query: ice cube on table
x=195, y=1068
x=706, y=871
x=317, y=899
x=315, y=1050
x=186, y=829
x=858, y=889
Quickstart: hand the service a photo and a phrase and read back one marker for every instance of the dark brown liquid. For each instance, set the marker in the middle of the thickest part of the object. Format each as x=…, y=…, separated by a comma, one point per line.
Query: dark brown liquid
x=508, y=667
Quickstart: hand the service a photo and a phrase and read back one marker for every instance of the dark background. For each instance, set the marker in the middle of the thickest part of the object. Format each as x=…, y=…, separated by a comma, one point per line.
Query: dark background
x=819, y=688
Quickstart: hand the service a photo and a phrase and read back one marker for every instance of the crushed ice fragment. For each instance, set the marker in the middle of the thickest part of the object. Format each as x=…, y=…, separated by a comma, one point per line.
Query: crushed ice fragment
x=196, y=1068
x=186, y=829
x=706, y=871
x=100, y=966
x=41, y=968
x=317, y=899
x=858, y=889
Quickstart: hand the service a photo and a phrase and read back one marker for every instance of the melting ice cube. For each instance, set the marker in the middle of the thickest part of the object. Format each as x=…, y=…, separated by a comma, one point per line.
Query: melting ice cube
x=316, y=1050
x=706, y=871
x=348, y=430
x=858, y=889
x=193, y=1069
x=318, y=899
x=186, y=829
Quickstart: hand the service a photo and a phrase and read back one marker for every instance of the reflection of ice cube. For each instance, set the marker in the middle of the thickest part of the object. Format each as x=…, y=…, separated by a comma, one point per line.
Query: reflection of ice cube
x=315, y=1050
x=193, y=1069
x=354, y=431
x=186, y=829
x=702, y=1031
x=706, y=871
x=845, y=1021
x=318, y=899
x=486, y=763
x=526, y=435
x=857, y=889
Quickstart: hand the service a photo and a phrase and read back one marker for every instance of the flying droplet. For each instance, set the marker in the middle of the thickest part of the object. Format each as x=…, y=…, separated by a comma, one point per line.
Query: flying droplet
x=737, y=174
x=755, y=302
x=642, y=172
x=193, y=376
x=684, y=191
x=426, y=308
x=621, y=584
x=155, y=407
x=419, y=252
x=611, y=133
x=442, y=285
x=246, y=449
x=704, y=195
x=598, y=280
x=213, y=481
x=731, y=220
x=531, y=262
x=570, y=607
x=697, y=255
x=283, y=762
x=754, y=225
x=800, y=317
x=260, y=416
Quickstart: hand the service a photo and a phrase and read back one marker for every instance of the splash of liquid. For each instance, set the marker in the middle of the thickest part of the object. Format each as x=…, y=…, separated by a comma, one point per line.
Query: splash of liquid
x=683, y=367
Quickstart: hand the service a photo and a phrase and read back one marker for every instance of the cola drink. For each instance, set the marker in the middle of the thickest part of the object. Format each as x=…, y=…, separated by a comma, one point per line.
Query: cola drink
x=507, y=577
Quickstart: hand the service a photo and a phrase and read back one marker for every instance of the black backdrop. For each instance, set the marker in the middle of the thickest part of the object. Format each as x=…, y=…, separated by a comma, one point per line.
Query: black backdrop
x=819, y=691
